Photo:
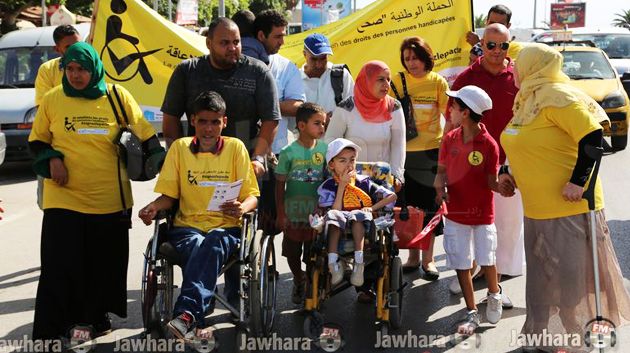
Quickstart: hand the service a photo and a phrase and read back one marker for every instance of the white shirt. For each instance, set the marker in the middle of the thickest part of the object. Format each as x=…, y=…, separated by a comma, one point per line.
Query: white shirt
x=289, y=86
x=319, y=89
x=379, y=142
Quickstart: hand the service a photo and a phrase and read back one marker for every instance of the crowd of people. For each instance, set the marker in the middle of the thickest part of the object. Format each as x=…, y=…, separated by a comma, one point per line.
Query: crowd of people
x=504, y=147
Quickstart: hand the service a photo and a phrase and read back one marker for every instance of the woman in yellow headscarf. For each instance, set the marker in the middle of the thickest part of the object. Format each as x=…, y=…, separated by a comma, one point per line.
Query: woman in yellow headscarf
x=546, y=145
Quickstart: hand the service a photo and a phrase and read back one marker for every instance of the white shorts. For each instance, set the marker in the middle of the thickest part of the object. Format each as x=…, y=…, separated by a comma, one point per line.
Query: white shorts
x=464, y=243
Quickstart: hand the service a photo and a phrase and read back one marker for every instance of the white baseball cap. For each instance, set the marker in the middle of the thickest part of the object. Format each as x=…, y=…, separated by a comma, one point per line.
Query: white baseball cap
x=475, y=98
x=337, y=145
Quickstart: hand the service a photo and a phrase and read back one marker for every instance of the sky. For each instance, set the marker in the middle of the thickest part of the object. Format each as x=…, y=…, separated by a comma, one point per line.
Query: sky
x=599, y=13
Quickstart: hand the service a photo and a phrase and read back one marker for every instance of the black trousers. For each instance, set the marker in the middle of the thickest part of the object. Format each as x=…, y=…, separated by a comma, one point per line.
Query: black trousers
x=83, y=270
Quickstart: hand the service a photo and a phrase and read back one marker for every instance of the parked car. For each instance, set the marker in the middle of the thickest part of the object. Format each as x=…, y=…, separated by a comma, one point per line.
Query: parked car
x=590, y=70
x=3, y=146
x=21, y=54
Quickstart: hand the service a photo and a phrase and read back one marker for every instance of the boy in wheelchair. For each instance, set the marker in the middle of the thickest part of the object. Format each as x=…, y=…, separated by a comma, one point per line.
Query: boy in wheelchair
x=205, y=238
x=351, y=199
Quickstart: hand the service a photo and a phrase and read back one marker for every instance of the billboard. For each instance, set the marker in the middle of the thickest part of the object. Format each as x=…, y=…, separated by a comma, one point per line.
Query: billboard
x=567, y=14
x=317, y=13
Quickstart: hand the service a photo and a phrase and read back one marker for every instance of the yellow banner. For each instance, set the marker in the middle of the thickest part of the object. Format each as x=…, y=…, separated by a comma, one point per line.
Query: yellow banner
x=140, y=49
x=376, y=32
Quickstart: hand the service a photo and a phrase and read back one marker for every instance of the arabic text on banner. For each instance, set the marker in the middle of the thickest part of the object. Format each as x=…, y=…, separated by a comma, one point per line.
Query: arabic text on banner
x=140, y=49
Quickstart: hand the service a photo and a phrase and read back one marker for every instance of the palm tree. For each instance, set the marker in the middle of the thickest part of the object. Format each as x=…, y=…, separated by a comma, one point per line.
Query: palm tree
x=622, y=19
x=480, y=21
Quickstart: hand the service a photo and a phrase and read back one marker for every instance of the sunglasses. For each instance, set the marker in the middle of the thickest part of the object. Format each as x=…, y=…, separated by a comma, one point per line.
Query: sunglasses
x=502, y=46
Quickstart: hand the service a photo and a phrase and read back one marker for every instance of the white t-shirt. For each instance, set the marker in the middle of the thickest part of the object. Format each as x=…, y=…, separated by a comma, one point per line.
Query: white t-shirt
x=379, y=142
x=319, y=89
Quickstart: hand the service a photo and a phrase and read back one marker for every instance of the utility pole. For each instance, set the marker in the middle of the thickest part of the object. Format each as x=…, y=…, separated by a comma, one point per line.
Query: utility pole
x=155, y=5
x=44, y=9
x=534, y=25
x=221, y=8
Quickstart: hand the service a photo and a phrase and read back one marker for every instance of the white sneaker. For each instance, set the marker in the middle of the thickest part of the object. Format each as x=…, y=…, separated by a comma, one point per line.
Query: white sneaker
x=336, y=273
x=505, y=300
x=494, y=309
x=454, y=286
x=357, y=275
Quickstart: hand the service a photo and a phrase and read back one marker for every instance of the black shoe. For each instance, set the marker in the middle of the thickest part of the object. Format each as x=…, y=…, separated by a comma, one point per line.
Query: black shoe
x=298, y=293
x=103, y=327
x=181, y=325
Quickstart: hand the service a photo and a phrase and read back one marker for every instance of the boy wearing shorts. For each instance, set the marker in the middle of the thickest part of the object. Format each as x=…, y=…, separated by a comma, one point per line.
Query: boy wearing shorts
x=350, y=200
x=467, y=168
x=300, y=171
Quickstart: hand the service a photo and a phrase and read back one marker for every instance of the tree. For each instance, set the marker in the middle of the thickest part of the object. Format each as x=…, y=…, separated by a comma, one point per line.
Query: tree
x=622, y=20
x=257, y=6
x=480, y=21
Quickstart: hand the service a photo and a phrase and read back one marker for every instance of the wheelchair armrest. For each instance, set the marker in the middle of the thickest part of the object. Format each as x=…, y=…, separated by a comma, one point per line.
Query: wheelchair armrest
x=161, y=215
x=250, y=216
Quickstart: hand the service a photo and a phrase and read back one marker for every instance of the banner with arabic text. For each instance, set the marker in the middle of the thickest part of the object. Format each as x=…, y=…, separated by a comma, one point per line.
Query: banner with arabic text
x=377, y=31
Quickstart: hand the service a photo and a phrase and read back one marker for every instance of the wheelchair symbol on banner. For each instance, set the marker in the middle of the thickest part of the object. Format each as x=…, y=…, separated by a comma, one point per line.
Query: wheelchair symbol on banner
x=123, y=67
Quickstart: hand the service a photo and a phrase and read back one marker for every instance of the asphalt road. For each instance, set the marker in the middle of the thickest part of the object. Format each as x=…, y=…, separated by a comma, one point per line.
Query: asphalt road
x=429, y=308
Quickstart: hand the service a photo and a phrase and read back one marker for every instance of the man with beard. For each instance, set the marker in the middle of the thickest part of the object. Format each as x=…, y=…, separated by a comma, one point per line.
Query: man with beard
x=245, y=84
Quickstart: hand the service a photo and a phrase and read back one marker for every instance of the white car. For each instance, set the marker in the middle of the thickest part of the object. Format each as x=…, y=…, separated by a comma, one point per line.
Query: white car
x=3, y=146
x=21, y=54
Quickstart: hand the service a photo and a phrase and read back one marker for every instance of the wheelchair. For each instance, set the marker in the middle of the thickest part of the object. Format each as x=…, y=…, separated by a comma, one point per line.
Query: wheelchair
x=258, y=277
x=380, y=257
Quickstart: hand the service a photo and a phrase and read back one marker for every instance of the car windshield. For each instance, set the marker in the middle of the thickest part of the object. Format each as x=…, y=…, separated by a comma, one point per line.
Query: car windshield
x=580, y=65
x=18, y=66
x=616, y=46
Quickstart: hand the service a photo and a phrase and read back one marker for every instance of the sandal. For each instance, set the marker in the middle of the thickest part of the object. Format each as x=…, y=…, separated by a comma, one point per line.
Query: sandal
x=431, y=272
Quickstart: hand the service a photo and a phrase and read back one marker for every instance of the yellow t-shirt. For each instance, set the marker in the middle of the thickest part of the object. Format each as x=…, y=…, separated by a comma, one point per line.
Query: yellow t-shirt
x=429, y=103
x=542, y=156
x=514, y=49
x=84, y=130
x=192, y=178
x=49, y=76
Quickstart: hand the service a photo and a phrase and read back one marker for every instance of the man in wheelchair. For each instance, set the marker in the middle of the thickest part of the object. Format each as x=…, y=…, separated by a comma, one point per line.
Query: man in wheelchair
x=203, y=236
x=351, y=199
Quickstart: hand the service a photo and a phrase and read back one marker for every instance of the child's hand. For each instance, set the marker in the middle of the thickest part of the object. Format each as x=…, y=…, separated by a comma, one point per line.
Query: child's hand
x=367, y=209
x=347, y=177
x=147, y=214
x=441, y=195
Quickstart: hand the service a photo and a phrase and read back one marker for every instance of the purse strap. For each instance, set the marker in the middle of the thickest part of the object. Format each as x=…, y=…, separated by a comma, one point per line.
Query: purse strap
x=404, y=83
x=123, y=127
x=124, y=123
x=393, y=86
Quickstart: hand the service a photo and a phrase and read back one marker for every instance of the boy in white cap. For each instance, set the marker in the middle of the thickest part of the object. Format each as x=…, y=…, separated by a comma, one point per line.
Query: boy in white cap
x=351, y=199
x=468, y=166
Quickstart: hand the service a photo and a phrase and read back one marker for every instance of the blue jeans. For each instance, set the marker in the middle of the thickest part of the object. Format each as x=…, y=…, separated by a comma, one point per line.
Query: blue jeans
x=203, y=256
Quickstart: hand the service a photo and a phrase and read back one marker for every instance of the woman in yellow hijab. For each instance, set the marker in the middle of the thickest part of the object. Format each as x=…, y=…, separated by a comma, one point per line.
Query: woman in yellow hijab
x=545, y=143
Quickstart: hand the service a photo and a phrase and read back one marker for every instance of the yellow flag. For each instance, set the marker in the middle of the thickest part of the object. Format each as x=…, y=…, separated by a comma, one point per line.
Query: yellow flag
x=140, y=49
x=376, y=32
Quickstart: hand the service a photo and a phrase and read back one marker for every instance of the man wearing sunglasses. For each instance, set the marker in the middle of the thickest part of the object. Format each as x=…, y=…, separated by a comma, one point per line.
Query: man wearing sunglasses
x=494, y=73
x=497, y=14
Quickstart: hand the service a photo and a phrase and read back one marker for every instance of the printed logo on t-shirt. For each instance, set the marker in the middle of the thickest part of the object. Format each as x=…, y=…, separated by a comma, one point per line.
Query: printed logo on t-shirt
x=86, y=125
x=475, y=158
x=207, y=178
x=317, y=158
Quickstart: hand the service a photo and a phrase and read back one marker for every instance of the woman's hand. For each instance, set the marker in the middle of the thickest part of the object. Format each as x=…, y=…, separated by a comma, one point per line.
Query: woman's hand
x=572, y=192
x=58, y=171
x=148, y=213
x=233, y=209
x=397, y=185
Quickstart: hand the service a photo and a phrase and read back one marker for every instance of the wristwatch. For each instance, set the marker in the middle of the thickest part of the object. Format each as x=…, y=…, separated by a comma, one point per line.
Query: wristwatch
x=258, y=158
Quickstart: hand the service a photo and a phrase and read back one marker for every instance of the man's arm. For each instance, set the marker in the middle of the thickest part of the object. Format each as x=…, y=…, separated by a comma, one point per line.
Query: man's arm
x=280, y=191
x=148, y=212
x=289, y=107
x=171, y=128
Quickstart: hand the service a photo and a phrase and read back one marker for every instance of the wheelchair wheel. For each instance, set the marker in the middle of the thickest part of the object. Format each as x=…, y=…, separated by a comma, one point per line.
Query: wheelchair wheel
x=157, y=294
x=396, y=294
x=262, y=286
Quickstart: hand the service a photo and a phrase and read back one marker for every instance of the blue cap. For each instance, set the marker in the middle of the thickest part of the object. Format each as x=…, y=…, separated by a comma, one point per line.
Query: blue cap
x=318, y=44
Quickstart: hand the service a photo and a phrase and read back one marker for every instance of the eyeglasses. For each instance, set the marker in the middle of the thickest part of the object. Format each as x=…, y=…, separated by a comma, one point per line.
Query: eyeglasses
x=492, y=45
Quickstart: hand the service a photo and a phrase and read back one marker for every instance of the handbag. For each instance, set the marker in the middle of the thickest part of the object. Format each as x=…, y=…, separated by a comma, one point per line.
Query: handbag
x=411, y=130
x=142, y=159
x=408, y=222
